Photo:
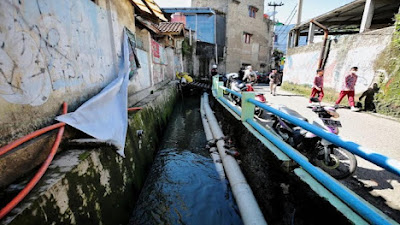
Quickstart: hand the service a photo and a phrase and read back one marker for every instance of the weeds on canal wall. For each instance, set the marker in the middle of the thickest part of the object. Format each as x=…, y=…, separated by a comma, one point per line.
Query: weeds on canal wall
x=388, y=99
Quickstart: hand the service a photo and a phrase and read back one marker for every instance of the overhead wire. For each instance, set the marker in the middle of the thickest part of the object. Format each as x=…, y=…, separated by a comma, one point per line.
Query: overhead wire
x=287, y=19
x=288, y=32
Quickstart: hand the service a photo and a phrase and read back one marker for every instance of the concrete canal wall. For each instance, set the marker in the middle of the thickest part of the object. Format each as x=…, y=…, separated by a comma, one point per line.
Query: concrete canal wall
x=94, y=185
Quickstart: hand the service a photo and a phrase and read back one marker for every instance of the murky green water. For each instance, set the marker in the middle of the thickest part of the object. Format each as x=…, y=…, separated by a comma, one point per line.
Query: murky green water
x=183, y=186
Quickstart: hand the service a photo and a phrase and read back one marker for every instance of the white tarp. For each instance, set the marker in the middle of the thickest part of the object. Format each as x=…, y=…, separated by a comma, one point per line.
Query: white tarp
x=105, y=116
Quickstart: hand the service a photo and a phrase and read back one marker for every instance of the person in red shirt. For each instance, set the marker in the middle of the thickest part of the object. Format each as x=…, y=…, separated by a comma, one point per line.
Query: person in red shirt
x=348, y=89
x=317, y=87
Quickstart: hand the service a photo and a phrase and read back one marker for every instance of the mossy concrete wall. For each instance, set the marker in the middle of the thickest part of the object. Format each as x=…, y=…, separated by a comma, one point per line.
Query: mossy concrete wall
x=96, y=185
x=388, y=64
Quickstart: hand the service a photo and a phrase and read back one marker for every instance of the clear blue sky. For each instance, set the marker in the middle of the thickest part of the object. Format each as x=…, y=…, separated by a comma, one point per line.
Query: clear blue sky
x=311, y=8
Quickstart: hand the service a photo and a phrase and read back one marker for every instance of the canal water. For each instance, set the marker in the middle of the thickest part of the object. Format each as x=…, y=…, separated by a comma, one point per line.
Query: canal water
x=183, y=186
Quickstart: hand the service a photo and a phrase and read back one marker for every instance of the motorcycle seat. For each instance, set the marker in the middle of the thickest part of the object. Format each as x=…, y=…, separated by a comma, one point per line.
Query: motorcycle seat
x=291, y=112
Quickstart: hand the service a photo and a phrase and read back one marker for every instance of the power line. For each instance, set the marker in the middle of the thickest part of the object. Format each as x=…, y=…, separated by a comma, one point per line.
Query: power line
x=287, y=19
x=289, y=31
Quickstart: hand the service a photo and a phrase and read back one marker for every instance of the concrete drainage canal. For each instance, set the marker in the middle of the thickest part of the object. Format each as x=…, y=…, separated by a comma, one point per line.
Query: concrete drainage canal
x=183, y=186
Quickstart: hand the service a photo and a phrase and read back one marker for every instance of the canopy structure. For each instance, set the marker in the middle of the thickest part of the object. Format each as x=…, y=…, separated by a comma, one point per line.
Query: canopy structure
x=356, y=17
x=350, y=16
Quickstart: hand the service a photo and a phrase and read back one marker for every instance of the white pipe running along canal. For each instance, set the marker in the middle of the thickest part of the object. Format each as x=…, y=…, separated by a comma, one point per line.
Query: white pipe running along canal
x=248, y=207
x=182, y=186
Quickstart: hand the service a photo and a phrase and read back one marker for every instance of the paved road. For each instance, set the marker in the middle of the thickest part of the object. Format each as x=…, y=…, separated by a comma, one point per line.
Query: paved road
x=374, y=132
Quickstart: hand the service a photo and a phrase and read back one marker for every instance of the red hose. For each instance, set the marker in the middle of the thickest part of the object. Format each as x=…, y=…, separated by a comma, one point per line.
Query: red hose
x=9, y=147
x=3, y=150
x=134, y=109
x=21, y=195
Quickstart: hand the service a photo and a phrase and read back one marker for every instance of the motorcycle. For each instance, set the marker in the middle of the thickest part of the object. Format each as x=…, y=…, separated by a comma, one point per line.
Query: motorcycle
x=239, y=86
x=336, y=161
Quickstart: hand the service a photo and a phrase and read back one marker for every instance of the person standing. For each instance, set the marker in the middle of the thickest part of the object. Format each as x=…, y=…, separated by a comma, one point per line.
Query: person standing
x=317, y=87
x=369, y=94
x=249, y=75
x=348, y=89
x=214, y=70
x=273, y=81
x=241, y=73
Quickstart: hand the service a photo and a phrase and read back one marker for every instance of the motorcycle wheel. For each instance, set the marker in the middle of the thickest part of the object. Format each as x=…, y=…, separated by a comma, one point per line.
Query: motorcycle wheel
x=257, y=111
x=234, y=99
x=285, y=136
x=343, y=163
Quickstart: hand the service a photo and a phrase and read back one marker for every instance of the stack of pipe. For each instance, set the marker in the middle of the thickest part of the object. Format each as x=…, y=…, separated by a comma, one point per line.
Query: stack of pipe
x=248, y=207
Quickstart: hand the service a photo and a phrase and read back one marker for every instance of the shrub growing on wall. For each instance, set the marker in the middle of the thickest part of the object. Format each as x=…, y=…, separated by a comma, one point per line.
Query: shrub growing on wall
x=388, y=99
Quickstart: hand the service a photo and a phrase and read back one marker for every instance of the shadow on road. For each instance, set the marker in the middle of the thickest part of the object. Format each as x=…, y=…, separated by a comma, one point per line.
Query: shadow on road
x=375, y=180
x=380, y=178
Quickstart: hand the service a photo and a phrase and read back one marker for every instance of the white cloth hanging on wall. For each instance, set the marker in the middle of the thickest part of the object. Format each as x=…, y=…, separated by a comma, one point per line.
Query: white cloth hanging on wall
x=105, y=116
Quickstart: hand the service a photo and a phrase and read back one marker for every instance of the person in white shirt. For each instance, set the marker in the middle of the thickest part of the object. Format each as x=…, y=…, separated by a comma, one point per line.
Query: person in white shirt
x=249, y=75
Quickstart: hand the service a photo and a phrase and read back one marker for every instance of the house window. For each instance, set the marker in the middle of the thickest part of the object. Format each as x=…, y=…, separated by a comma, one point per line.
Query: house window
x=247, y=37
x=252, y=11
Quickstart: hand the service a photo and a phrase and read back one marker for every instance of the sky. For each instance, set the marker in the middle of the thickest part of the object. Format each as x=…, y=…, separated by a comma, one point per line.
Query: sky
x=311, y=8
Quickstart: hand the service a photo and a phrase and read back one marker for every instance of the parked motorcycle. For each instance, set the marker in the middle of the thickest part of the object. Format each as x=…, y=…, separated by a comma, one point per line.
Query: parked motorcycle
x=239, y=86
x=334, y=160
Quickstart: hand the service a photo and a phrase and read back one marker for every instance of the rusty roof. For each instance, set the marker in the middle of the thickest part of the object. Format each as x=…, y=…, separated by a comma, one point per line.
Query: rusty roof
x=171, y=27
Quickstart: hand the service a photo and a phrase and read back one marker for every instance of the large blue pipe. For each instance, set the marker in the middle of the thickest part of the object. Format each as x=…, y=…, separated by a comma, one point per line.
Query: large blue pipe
x=359, y=206
x=389, y=164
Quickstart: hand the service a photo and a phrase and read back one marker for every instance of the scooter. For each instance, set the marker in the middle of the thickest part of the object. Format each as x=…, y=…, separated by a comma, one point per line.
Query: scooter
x=334, y=160
x=239, y=86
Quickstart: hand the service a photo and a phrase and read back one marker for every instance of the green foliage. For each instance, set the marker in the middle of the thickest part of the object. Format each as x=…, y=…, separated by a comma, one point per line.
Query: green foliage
x=396, y=38
x=388, y=99
x=187, y=49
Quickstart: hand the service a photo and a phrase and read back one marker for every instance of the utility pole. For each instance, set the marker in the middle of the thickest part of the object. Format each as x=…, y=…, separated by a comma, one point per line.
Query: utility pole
x=274, y=4
x=299, y=9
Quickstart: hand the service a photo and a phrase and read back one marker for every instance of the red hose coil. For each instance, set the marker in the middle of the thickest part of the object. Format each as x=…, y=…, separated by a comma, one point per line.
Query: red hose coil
x=21, y=195
x=3, y=150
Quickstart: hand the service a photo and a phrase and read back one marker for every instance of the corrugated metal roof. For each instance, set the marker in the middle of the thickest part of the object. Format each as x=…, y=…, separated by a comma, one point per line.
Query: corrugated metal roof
x=149, y=6
x=350, y=15
x=170, y=27
x=141, y=5
x=156, y=9
x=189, y=10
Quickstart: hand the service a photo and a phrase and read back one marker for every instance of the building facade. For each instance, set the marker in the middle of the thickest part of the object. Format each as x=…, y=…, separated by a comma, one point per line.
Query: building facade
x=248, y=33
x=209, y=35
